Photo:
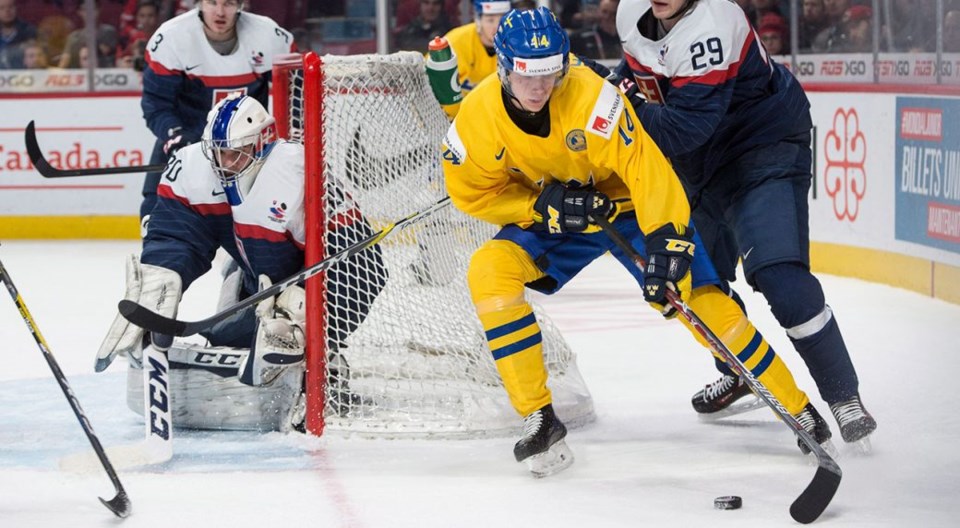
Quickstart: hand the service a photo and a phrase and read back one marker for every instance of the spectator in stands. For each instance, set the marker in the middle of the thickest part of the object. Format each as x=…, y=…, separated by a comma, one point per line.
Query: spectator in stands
x=951, y=31
x=600, y=41
x=53, y=31
x=106, y=41
x=577, y=14
x=857, y=30
x=13, y=32
x=431, y=22
x=913, y=26
x=34, y=55
x=407, y=10
x=774, y=33
x=830, y=39
x=813, y=20
x=147, y=22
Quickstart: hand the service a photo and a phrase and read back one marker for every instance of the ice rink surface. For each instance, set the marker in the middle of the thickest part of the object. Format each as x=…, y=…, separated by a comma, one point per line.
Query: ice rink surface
x=646, y=461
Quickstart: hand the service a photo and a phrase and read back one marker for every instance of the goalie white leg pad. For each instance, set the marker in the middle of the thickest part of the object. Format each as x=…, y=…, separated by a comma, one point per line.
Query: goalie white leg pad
x=205, y=396
x=551, y=461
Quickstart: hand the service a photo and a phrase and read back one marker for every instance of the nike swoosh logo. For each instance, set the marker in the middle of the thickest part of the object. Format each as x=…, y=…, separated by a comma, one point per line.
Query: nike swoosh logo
x=500, y=156
x=747, y=254
x=215, y=193
x=188, y=68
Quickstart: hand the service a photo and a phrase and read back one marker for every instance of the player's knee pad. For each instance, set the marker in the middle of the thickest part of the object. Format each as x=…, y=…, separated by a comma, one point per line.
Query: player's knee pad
x=794, y=294
x=497, y=274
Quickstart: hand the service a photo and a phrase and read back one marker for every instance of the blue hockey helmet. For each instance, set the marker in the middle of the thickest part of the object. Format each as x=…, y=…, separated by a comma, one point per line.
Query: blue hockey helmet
x=490, y=7
x=236, y=140
x=531, y=43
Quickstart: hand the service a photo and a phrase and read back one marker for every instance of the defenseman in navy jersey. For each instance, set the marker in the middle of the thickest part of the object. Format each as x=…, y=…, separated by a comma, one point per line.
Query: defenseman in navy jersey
x=736, y=126
x=193, y=61
x=241, y=190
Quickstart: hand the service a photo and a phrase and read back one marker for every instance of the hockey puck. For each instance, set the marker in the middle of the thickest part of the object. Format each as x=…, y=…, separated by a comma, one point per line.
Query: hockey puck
x=728, y=502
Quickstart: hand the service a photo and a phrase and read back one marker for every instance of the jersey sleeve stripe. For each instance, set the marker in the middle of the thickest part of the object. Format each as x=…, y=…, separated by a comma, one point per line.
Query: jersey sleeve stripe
x=158, y=68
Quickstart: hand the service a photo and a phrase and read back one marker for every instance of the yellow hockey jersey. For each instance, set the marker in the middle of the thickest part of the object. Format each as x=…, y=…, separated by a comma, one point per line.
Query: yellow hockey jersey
x=494, y=171
x=473, y=62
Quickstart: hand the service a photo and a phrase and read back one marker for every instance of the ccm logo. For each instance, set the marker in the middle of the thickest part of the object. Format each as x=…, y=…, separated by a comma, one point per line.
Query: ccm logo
x=159, y=399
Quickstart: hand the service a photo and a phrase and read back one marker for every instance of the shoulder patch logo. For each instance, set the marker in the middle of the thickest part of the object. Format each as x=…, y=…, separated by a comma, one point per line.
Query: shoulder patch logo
x=278, y=212
x=453, y=149
x=576, y=140
x=605, y=112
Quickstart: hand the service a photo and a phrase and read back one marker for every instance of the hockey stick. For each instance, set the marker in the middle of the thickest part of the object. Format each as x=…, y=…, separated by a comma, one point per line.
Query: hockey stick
x=157, y=446
x=49, y=171
x=818, y=494
x=154, y=322
x=120, y=504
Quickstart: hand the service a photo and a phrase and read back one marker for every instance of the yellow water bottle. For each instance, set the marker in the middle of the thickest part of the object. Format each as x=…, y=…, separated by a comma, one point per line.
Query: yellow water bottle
x=442, y=72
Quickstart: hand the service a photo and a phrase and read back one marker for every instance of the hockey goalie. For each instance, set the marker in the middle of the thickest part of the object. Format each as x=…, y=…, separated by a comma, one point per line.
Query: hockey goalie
x=240, y=189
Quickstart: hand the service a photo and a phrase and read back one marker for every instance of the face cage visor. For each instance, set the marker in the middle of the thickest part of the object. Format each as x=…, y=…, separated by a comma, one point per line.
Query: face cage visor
x=232, y=159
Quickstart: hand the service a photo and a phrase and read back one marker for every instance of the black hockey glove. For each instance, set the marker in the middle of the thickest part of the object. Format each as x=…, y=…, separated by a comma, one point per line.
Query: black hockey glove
x=630, y=90
x=669, y=255
x=559, y=209
x=176, y=140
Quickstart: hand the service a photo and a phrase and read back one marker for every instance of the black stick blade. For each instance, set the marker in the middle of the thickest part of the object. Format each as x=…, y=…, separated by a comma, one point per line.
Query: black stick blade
x=150, y=320
x=49, y=171
x=119, y=505
x=811, y=503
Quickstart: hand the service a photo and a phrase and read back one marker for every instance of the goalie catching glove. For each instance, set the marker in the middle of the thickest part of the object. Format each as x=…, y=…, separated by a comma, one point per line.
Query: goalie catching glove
x=668, y=267
x=280, y=337
x=154, y=287
x=560, y=209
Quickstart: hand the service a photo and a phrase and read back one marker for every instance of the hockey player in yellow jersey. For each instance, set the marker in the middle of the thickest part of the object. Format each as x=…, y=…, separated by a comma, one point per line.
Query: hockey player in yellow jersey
x=539, y=149
x=473, y=46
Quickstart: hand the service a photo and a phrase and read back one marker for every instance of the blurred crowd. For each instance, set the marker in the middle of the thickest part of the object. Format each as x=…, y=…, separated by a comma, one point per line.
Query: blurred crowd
x=824, y=26
x=50, y=33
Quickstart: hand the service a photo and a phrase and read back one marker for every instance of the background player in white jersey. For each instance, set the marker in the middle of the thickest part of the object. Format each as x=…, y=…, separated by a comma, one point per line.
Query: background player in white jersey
x=193, y=61
x=736, y=126
x=539, y=149
x=241, y=190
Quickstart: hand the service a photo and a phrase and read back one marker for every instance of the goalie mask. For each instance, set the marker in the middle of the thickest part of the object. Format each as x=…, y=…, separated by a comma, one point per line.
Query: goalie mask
x=236, y=140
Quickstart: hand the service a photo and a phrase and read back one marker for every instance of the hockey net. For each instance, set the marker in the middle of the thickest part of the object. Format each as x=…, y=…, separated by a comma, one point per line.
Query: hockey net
x=414, y=361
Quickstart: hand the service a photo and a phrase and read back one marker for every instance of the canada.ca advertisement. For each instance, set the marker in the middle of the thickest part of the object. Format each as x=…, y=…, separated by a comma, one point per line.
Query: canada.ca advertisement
x=928, y=172
x=73, y=133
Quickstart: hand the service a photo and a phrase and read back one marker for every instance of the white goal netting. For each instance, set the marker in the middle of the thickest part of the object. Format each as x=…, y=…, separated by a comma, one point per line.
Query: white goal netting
x=406, y=354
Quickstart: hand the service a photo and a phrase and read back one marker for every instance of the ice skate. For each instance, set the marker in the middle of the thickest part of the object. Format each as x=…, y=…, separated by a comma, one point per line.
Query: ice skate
x=817, y=427
x=542, y=446
x=856, y=424
x=728, y=396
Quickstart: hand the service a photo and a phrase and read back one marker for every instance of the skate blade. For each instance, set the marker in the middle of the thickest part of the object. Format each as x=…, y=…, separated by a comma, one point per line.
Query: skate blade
x=553, y=460
x=830, y=448
x=862, y=447
x=744, y=405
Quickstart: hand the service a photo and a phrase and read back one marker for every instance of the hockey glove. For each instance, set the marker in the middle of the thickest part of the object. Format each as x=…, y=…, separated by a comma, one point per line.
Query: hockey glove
x=176, y=140
x=152, y=286
x=280, y=339
x=669, y=255
x=559, y=209
x=630, y=90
